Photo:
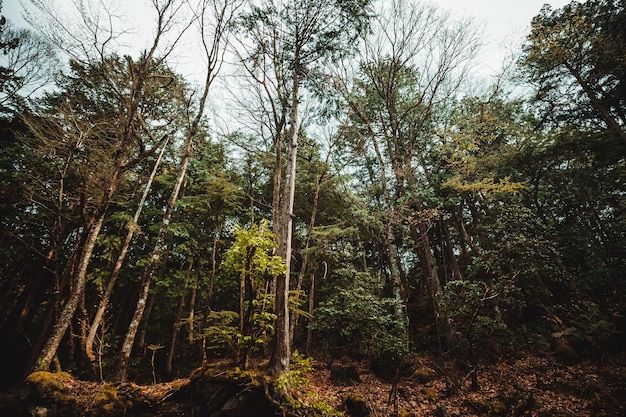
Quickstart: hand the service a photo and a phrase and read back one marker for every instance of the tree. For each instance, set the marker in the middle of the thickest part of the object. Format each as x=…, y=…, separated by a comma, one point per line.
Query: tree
x=28, y=64
x=8, y=42
x=214, y=18
x=411, y=71
x=309, y=35
x=92, y=52
x=574, y=58
x=250, y=257
x=132, y=229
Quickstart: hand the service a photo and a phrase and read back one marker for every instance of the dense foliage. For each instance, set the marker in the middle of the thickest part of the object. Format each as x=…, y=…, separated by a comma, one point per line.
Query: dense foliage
x=425, y=218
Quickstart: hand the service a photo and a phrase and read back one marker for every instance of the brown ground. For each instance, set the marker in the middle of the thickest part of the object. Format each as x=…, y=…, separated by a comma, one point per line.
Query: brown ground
x=528, y=386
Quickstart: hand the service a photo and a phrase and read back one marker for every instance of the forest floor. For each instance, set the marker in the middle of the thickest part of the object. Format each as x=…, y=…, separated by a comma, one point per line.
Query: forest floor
x=528, y=386
x=525, y=386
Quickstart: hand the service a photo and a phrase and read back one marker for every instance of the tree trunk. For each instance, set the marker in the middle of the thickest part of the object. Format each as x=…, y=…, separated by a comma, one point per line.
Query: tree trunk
x=143, y=333
x=455, y=271
x=118, y=264
x=279, y=362
x=122, y=364
x=192, y=308
x=396, y=280
x=305, y=256
x=169, y=367
x=309, y=330
x=66, y=315
x=209, y=297
x=419, y=233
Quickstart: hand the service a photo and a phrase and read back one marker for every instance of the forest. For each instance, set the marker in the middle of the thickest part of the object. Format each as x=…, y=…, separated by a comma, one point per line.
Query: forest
x=279, y=194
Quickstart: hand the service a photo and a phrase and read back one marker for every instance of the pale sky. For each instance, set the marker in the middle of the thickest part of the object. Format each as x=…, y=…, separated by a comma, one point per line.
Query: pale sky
x=503, y=17
x=506, y=21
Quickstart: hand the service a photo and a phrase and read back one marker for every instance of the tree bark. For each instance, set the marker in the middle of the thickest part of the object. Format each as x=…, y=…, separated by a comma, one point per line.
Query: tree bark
x=66, y=315
x=122, y=364
x=118, y=264
x=279, y=362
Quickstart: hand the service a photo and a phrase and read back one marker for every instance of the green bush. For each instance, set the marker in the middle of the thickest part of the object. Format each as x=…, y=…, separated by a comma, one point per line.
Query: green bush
x=357, y=319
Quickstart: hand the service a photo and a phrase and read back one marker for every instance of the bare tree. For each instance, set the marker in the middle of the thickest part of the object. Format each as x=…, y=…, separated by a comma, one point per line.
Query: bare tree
x=213, y=18
x=88, y=42
x=25, y=68
x=414, y=61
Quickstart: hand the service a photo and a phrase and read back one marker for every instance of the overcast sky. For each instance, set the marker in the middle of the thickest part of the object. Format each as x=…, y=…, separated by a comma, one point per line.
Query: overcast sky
x=506, y=21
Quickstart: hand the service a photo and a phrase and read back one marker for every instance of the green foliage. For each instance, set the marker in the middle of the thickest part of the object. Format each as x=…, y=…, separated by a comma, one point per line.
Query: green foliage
x=477, y=312
x=222, y=331
x=590, y=330
x=262, y=323
x=294, y=387
x=574, y=57
x=250, y=253
x=356, y=318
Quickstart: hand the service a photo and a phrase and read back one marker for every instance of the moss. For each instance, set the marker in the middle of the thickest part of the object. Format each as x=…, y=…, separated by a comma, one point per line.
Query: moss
x=52, y=385
x=403, y=412
x=490, y=406
x=565, y=354
x=49, y=379
x=496, y=408
x=424, y=374
x=356, y=405
x=108, y=402
x=428, y=394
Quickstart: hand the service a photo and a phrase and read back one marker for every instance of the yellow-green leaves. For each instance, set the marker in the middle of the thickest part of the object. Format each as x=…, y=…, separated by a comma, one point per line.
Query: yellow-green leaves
x=251, y=252
x=485, y=186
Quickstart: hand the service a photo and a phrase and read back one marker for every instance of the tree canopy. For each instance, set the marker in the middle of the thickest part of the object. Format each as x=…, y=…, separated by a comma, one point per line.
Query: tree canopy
x=333, y=183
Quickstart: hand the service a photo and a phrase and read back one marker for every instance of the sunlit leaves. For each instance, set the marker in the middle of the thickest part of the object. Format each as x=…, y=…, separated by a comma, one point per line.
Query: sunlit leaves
x=251, y=251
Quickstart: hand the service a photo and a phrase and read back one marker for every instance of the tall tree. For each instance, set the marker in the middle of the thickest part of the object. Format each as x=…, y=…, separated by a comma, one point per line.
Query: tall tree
x=309, y=34
x=574, y=57
x=410, y=72
x=132, y=229
x=90, y=48
x=214, y=18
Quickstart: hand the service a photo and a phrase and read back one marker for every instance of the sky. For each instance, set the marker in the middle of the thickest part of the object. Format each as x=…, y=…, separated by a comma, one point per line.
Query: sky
x=506, y=22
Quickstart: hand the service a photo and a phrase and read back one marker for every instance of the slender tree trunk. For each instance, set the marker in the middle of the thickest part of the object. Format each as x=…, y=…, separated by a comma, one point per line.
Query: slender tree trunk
x=169, y=367
x=309, y=329
x=279, y=362
x=419, y=233
x=209, y=297
x=122, y=365
x=305, y=257
x=248, y=325
x=191, y=317
x=118, y=264
x=213, y=56
x=143, y=332
x=66, y=315
x=455, y=271
x=396, y=280
x=276, y=185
